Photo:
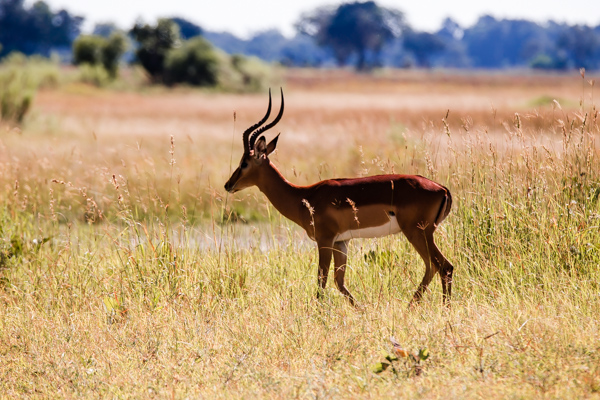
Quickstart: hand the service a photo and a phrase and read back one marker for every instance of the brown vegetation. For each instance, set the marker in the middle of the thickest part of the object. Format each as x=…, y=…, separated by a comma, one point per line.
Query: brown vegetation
x=124, y=274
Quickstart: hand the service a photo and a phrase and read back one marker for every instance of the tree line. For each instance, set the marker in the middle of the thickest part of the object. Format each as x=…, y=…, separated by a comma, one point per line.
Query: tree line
x=364, y=35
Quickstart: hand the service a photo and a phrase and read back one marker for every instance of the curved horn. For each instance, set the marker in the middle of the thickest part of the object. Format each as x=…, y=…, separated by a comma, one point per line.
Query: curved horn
x=267, y=127
x=253, y=127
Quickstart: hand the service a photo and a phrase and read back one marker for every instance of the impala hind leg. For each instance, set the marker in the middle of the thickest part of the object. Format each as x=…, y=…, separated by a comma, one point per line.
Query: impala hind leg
x=340, y=258
x=422, y=241
x=446, y=274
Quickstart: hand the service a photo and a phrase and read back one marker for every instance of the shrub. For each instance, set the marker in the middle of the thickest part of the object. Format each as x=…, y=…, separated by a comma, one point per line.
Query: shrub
x=546, y=62
x=112, y=51
x=42, y=72
x=239, y=73
x=16, y=94
x=99, y=51
x=87, y=49
x=195, y=63
x=95, y=75
x=20, y=77
x=255, y=73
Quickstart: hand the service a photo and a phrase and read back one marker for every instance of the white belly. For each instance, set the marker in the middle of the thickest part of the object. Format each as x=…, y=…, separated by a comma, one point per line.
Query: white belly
x=388, y=228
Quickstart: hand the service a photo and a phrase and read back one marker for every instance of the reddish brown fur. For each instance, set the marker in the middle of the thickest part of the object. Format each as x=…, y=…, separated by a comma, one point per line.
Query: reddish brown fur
x=329, y=208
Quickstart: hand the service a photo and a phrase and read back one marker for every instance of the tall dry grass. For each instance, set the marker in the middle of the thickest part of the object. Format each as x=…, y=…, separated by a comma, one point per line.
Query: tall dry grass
x=123, y=275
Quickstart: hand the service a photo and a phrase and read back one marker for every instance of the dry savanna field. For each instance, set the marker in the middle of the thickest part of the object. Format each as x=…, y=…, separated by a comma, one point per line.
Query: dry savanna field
x=127, y=271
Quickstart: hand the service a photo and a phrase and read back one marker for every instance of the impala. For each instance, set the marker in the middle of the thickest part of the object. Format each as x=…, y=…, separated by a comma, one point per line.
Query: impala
x=334, y=211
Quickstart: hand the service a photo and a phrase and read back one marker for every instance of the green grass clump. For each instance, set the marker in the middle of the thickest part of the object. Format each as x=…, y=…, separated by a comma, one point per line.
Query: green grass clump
x=20, y=77
x=95, y=75
x=238, y=73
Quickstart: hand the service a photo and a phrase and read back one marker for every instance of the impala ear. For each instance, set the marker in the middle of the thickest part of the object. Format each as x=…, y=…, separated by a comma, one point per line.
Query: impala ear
x=260, y=147
x=272, y=144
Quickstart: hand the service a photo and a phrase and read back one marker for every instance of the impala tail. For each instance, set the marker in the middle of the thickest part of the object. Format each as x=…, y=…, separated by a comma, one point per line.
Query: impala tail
x=445, y=207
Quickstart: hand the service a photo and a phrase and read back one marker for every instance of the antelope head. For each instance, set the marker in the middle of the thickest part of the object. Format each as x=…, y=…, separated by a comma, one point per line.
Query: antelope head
x=256, y=152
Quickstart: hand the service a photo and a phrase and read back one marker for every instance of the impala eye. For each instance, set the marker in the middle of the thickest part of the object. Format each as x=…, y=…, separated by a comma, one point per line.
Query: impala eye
x=244, y=164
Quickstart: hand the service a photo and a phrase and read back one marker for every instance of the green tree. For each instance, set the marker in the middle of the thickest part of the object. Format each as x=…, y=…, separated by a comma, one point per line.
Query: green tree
x=357, y=29
x=87, y=49
x=97, y=50
x=498, y=43
x=113, y=49
x=581, y=44
x=195, y=63
x=187, y=29
x=154, y=43
x=35, y=29
x=105, y=29
x=423, y=45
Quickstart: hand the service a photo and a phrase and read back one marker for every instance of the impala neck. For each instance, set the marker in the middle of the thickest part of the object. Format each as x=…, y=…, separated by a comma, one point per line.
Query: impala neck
x=285, y=196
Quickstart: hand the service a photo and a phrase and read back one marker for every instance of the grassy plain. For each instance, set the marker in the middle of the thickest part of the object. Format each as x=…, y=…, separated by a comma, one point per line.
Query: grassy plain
x=127, y=271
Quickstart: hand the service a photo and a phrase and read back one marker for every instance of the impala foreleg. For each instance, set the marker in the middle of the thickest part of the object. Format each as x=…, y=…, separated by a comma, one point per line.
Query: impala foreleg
x=340, y=258
x=325, y=253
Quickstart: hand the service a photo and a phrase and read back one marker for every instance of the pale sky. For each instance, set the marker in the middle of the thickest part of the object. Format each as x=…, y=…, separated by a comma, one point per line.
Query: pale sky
x=244, y=17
